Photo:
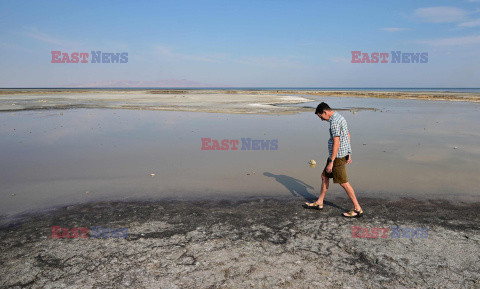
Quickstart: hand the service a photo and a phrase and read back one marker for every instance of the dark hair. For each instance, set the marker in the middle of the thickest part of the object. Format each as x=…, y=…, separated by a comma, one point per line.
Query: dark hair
x=321, y=107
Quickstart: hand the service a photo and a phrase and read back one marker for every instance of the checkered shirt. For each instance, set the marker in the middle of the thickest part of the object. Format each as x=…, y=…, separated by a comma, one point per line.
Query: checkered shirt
x=338, y=127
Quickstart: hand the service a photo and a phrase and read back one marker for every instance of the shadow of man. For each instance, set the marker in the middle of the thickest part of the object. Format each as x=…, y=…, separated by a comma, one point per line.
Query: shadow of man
x=295, y=186
x=298, y=188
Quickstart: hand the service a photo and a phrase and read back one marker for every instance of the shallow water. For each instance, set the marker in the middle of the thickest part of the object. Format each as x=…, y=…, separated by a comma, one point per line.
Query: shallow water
x=401, y=148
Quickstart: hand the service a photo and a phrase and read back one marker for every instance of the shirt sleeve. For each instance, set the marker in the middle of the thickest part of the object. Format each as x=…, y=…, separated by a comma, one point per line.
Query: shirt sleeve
x=335, y=129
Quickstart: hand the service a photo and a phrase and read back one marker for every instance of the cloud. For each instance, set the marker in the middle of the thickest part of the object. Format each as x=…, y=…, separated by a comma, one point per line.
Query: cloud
x=471, y=23
x=441, y=14
x=34, y=33
x=16, y=47
x=339, y=59
x=446, y=14
x=170, y=54
x=288, y=61
x=136, y=83
x=454, y=41
x=271, y=61
x=393, y=29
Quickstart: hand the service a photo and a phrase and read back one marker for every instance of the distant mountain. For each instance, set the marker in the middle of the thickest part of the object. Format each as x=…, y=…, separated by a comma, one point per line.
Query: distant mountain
x=136, y=83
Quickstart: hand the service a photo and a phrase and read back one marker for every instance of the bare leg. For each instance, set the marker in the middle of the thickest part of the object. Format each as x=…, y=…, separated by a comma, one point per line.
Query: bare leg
x=351, y=193
x=323, y=192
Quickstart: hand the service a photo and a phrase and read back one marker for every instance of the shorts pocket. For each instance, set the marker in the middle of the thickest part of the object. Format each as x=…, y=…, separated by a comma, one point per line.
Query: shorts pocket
x=339, y=162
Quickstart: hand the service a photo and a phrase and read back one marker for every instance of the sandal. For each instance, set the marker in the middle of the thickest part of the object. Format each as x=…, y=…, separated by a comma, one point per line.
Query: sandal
x=313, y=206
x=350, y=214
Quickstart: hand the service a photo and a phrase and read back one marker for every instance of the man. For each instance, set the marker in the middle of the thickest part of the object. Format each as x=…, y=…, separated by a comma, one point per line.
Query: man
x=340, y=154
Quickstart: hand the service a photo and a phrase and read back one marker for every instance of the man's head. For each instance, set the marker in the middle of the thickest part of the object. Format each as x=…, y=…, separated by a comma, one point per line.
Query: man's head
x=324, y=111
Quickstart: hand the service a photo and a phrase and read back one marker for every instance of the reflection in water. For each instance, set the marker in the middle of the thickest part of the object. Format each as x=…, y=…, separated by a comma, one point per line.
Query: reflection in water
x=405, y=148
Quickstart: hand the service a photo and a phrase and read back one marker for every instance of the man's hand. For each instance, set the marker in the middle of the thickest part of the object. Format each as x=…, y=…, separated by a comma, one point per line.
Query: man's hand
x=329, y=167
x=349, y=161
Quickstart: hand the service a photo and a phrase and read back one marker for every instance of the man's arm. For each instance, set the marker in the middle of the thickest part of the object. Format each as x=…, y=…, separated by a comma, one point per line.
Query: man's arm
x=349, y=161
x=336, y=146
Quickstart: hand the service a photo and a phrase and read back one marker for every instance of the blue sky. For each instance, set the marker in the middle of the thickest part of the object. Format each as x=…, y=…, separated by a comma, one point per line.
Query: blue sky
x=240, y=43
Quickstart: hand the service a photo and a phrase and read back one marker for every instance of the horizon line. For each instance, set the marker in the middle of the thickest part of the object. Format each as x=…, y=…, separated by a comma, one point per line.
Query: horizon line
x=235, y=87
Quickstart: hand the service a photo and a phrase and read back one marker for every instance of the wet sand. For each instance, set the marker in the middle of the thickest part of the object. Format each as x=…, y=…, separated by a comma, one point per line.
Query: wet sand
x=222, y=101
x=256, y=243
x=60, y=157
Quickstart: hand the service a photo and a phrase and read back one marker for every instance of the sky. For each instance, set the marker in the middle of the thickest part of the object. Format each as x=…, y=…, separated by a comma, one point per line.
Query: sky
x=240, y=43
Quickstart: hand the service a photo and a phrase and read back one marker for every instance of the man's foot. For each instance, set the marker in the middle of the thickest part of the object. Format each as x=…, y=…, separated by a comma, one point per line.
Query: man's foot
x=314, y=206
x=353, y=214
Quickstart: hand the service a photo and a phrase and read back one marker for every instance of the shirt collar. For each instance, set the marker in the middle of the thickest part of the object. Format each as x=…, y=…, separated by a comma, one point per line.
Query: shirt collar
x=334, y=116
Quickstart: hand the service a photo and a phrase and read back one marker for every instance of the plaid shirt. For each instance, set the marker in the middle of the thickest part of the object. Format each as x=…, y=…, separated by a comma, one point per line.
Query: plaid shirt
x=338, y=127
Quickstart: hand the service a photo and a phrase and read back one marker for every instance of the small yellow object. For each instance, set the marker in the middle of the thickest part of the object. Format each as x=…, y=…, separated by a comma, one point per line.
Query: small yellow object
x=152, y=175
x=312, y=162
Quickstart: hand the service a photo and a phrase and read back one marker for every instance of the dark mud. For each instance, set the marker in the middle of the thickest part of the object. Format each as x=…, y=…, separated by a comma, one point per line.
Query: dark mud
x=257, y=243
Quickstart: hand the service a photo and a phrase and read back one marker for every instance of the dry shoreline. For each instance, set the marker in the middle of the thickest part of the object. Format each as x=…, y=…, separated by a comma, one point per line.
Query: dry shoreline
x=420, y=95
x=217, y=101
x=253, y=243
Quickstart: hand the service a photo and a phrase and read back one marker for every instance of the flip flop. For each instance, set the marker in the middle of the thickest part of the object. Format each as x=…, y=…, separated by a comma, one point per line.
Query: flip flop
x=351, y=214
x=312, y=206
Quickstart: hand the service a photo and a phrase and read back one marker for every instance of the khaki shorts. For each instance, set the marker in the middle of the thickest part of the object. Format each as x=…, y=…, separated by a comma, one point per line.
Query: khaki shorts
x=339, y=172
